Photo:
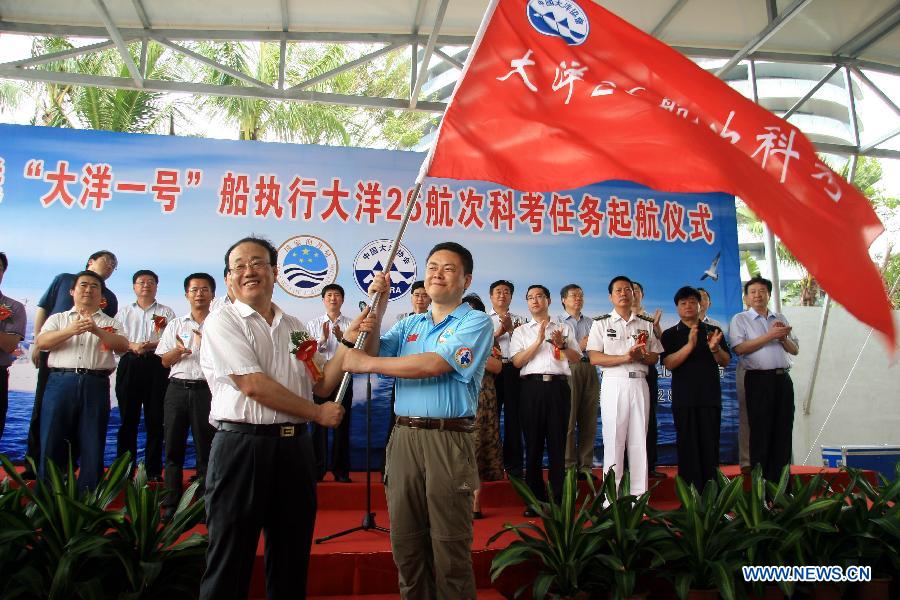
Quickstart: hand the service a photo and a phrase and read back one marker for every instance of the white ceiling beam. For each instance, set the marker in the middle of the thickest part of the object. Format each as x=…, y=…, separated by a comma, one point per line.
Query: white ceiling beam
x=450, y=59
x=345, y=67
x=763, y=36
x=667, y=18
x=879, y=141
x=206, y=89
x=810, y=93
x=877, y=90
x=116, y=36
x=61, y=55
x=874, y=31
x=212, y=63
x=426, y=55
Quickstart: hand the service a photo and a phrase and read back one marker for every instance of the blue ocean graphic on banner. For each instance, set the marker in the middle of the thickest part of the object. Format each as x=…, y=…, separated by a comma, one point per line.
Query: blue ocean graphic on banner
x=174, y=205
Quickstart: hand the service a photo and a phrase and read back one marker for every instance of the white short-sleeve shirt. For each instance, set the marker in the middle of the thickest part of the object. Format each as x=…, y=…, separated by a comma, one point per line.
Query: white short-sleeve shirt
x=85, y=350
x=183, y=328
x=611, y=334
x=543, y=362
x=237, y=340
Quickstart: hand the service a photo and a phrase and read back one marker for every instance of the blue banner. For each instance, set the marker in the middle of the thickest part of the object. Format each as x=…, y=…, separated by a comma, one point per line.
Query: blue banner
x=174, y=205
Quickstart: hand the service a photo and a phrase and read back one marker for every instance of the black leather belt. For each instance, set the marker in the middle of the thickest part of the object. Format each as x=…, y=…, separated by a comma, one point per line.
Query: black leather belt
x=273, y=430
x=189, y=384
x=92, y=372
x=770, y=371
x=463, y=425
x=537, y=377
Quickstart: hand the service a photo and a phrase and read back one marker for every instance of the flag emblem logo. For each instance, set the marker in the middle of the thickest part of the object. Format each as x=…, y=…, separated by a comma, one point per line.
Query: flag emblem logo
x=565, y=20
x=306, y=264
x=463, y=357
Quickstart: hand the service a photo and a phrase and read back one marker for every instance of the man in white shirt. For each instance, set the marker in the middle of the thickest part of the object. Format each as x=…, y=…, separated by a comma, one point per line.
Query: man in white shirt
x=624, y=344
x=507, y=381
x=187, y=400
x=226, y=298
x=141, y=379
x=542, y=350
x=75, y=409
x=330, y=329
x=261, y=404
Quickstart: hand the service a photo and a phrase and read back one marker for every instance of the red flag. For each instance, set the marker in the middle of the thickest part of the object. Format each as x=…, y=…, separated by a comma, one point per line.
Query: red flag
x=562, y=93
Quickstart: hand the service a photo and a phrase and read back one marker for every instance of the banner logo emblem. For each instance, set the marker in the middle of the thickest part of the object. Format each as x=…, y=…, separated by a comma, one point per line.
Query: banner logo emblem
x=565, y=20
x=306, y=264
x=371, y=259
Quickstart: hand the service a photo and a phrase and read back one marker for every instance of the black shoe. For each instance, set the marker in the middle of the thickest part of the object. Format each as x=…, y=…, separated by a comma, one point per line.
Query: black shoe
x=476, y=514
x=529, y=513
x=343, y=478
x=657, y=474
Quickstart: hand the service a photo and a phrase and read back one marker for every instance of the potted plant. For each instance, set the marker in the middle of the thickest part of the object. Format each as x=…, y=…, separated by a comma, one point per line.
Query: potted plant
x=870, y=525
x=632, y=539
x=706, y=544
x=564, y=548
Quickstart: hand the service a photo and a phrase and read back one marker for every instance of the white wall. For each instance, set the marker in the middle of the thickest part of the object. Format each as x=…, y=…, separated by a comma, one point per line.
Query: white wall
x=868, y=410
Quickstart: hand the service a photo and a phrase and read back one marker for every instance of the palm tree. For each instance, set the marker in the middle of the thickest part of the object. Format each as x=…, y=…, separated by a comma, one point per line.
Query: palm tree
x=289, y=121
x=101, y=108
x=10, y=94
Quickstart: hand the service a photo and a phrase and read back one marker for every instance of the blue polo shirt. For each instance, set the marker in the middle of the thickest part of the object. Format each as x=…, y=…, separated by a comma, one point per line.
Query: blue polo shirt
x=58, y=299
x=464, y=340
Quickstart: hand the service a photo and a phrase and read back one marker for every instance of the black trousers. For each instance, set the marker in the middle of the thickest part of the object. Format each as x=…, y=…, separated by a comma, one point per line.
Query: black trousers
x=4, y=397
x=186, y=407
x=340, y=440
x=652, y=425
x=141, y=380
x=544, y=412
x=33, y=448
x=509, y=401
x=697, y=440
x=259, y=483
x=770, y=410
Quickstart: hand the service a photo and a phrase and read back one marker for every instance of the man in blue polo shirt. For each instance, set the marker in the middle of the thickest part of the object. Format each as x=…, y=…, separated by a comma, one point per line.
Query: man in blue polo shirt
x=438, y=361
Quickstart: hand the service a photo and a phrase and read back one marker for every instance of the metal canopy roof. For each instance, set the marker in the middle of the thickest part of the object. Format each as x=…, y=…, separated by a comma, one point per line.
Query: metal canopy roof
x=854, y=35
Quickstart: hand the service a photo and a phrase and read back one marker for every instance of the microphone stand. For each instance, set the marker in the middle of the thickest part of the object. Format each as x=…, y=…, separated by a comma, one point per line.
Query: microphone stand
x=368, y=520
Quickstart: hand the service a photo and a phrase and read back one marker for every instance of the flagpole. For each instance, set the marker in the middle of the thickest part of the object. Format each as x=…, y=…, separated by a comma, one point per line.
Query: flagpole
x=414, y=197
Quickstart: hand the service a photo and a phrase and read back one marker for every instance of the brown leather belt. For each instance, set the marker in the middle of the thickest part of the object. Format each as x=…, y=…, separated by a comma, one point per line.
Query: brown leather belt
x=463, y=425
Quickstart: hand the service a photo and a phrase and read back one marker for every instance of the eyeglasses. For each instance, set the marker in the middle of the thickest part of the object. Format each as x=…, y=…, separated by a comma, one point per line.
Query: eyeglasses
x=535, y=297
x=197, y=290
x=253, y=265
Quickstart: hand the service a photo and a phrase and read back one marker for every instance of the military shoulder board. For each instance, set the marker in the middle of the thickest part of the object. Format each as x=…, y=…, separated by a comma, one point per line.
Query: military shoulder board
x=646, y=318
x=601, y=317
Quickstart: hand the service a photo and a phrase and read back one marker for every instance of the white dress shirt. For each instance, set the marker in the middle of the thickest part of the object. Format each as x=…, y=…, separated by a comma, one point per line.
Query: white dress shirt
x=611, y=334
x=218, y=302
x=183, y=328
x=543, y=362
x=503, y=340
x=330, y=345
x=139, y=323
x=85, y=350
x=237, y=340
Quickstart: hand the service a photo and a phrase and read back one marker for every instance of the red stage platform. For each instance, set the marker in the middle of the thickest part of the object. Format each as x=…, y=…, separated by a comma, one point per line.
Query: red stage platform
x=360, y=565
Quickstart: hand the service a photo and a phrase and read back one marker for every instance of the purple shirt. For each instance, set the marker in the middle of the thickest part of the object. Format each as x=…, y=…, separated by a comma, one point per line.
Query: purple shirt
x=14, y=323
